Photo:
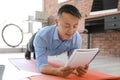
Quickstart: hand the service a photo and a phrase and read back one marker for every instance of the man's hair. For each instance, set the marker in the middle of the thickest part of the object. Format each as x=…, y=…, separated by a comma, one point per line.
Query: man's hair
x=69, y=9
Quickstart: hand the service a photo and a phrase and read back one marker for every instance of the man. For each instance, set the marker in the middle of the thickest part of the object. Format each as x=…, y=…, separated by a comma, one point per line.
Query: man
x=56, y=39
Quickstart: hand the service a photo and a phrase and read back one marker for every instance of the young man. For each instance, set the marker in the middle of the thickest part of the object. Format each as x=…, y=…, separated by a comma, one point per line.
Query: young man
x=56, y=39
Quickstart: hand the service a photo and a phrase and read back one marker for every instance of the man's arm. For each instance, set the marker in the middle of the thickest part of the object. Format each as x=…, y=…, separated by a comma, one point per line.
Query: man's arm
x=41, y=53
x=61, y=71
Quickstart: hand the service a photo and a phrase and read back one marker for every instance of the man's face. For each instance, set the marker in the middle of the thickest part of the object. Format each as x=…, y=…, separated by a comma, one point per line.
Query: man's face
x=67, y=26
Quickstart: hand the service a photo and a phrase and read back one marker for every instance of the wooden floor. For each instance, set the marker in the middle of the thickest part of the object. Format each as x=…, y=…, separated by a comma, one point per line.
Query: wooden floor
x=108, y=65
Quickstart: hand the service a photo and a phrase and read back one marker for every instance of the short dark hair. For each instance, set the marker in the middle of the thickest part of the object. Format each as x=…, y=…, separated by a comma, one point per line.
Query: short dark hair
x=67, y=8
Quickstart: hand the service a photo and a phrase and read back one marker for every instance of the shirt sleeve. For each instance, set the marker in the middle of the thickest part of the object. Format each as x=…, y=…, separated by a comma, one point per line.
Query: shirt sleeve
x=40, y=52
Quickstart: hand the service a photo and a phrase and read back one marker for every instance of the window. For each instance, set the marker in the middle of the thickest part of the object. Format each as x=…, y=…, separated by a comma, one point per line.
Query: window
x=17, y=12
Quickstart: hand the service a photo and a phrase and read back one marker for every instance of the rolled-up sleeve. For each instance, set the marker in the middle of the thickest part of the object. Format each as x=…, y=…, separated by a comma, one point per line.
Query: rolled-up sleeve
x=40, y=52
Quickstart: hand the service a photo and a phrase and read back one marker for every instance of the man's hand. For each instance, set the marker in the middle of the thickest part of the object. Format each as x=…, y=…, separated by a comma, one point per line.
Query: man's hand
x=64, y=71
x=79, y=71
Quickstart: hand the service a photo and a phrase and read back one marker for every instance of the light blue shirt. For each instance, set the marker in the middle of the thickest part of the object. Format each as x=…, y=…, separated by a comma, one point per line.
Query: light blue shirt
x=47, y=43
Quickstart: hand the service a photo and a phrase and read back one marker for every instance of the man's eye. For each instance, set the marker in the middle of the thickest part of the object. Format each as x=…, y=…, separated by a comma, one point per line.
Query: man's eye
x=67, y=26
x=75, y=26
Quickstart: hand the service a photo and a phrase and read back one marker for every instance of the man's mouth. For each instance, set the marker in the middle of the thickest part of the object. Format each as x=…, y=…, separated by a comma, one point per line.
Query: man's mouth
x=69, y=35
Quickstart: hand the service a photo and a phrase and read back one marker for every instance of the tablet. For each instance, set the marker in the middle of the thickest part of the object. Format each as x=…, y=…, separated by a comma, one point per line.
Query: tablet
x=81, y=57
x=2, y=68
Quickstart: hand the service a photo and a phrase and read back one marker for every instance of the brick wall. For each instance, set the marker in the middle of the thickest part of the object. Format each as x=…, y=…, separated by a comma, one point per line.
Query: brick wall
x=109, y=42
x=119, y=5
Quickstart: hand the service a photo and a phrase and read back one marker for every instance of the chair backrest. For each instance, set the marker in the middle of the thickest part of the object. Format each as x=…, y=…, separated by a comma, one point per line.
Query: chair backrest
x=2, y=68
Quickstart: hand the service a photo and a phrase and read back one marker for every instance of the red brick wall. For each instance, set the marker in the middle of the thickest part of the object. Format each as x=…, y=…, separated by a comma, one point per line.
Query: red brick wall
x=109, y=42
x=50, y=6
x=85, y=40
x=119, y=5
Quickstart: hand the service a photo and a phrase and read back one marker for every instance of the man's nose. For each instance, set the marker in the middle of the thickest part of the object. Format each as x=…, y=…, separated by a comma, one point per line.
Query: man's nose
x=71, y=30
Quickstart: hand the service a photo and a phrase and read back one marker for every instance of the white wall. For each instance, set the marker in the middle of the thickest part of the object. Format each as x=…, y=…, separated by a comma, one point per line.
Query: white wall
x=17, y=12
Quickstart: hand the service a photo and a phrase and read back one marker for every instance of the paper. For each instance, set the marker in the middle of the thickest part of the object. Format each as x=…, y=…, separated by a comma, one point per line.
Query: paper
x=81, y=57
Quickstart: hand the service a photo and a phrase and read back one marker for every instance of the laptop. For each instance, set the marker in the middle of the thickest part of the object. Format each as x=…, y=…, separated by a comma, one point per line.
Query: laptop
x=2, y=68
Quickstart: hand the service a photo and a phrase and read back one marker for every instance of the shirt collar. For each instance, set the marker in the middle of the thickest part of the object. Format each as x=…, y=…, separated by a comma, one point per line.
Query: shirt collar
x=56, y=37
